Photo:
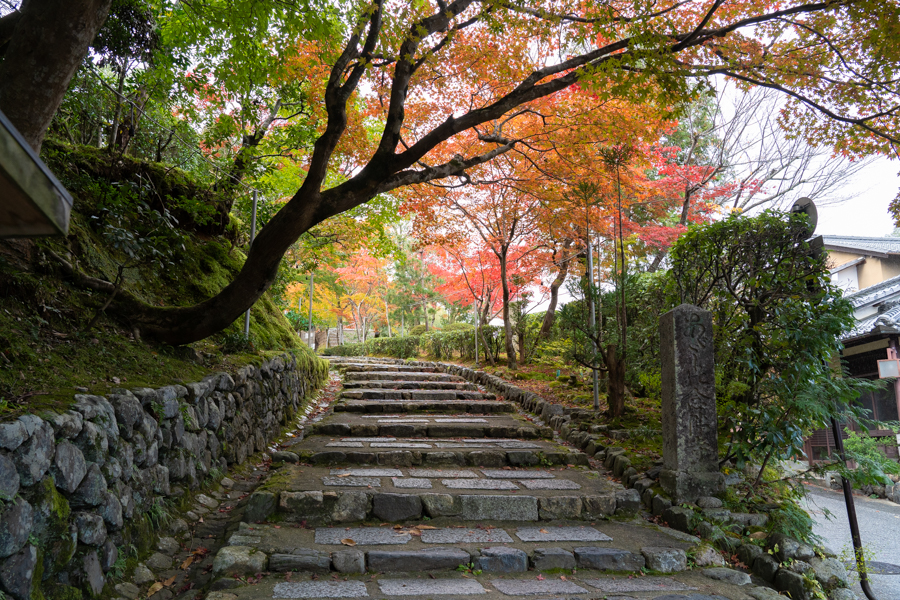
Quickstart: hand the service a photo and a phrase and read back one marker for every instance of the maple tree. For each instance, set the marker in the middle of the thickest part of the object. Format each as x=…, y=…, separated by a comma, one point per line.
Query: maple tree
x=444, y=82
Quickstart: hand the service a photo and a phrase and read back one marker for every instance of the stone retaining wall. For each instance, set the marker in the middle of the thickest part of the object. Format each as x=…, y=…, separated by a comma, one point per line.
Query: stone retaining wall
x=82, y=488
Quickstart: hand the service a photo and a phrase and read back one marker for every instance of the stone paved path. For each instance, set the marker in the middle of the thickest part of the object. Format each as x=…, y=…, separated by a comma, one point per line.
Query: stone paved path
x=417, y=484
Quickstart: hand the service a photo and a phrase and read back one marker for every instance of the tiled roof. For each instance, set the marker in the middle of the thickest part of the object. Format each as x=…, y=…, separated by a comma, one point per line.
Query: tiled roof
x=887, y=320
x=866, y=245
x=874, y=293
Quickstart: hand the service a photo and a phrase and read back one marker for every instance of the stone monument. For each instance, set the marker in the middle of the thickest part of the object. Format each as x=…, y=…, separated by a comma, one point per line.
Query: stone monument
x=690, y=441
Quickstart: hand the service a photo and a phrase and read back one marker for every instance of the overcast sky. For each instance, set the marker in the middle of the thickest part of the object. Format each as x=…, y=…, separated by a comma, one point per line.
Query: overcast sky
x=867, y=214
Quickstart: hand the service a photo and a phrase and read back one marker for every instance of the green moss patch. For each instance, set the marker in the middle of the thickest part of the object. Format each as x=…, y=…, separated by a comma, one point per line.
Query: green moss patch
x=47, y=351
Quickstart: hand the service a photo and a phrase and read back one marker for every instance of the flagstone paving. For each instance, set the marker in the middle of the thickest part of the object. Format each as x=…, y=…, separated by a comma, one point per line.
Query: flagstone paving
x=418, y=484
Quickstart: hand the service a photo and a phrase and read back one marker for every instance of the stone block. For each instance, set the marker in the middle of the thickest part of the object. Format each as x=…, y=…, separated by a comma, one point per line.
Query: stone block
x=479, y=484
x=456, y=535
x=159, y=562
x=301, y=559
x=17, y=572
x=127, y=590
x=665, y=560
x=93, y=573
x=602, y=505
x=399, y=458
x=707, y=556
x=793, y=584
x=332, y=457
x=355, y=472
x=486, y=458
x=285, y=457
x=678, y=517
x=9, y=478
x=561, y=534
x=142, y=574
x=239, y=560
x=766, y=567
x=260, y=505
x=522, y=458
x=429, y=588
x=549, y=484
x=528, y=587
x=659, y=505
x=728, y=575
x=502, y=560
x=560, y=507
x=349, y=561
x=12, y=435
x=366, y=482
x=628, y=502
x=499, y=508
x=419, y=483
x=441, y=505
x=427, y=559
x=608, y=559
x=68, y=469
x=351, y=506
x=685, y=486
x=830, y=572
x=16, y=519
x=362, y=536
x=747, y=553
x=549, y=559
x=34, y=457
x=319, y=589
x=310, y=506
x=443, y=458
x=397, y=507
x=91, y=490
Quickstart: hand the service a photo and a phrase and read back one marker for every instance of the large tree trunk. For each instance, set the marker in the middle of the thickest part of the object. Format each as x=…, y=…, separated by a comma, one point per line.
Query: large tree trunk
x=616, y=393
x=49, y=41
x=507, y=326
x=521, y=333
x=550, y=315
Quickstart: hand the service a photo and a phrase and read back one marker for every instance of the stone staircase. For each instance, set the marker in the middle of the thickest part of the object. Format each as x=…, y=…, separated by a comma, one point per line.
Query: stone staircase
x=417, y=484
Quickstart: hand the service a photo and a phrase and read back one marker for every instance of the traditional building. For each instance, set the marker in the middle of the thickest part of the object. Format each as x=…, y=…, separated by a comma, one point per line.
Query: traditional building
x=868, y=269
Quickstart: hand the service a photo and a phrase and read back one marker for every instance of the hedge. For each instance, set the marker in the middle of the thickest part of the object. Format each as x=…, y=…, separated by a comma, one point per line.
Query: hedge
x=435, y=344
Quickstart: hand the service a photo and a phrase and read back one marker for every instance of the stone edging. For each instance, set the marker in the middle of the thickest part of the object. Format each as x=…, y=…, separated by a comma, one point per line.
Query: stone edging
x=77, y=487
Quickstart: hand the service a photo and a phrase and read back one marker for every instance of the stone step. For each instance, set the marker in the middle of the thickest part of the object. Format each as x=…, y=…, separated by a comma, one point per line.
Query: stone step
x=318, y=495
x=428, y=426
x=406, y=458
x=387, y=368
x=413, y=394
x=495, y=584
x=509, y=560
x=475, y=407
x=411, y=385
x=546, y=547
x=404, y=376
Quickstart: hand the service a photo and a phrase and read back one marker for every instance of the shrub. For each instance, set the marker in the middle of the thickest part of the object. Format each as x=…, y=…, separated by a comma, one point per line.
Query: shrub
x=234, y=343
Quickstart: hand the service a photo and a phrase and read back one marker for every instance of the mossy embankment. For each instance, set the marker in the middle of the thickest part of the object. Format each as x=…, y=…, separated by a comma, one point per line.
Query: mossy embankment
x=165, y=237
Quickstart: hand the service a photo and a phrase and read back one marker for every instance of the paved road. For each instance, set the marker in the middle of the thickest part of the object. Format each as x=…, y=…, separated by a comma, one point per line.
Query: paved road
x=879, y=525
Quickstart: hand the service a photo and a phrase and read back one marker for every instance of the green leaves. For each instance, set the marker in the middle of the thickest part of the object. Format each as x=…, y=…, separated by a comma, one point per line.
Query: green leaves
x=777, y=323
